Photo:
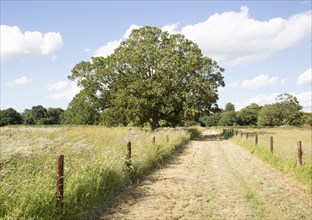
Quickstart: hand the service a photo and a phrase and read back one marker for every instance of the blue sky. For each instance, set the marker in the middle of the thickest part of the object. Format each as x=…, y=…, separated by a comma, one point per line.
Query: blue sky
x=264, y=46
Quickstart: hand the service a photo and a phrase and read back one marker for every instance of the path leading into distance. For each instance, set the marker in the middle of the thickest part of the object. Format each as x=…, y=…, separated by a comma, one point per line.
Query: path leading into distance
x=213, y=179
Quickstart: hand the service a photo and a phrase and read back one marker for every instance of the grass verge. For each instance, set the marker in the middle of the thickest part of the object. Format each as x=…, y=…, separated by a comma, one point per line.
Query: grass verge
x=284, y=157
x=95, y=167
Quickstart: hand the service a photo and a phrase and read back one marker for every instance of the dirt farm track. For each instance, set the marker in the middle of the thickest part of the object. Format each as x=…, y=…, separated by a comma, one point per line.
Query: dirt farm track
x=212, y=178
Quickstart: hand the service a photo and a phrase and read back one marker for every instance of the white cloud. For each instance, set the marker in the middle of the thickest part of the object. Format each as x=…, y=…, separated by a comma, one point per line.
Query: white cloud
x=110, y=46
x=236, y=38
x=107, y=49
x=305, y=78
x=63, y=90
x=57, y=86
x=228, y=86
x=171, y=28
x=304, y=98
x=259, y=99
x=16, y=44
x=128, y=31
x=262, y=81
x=20, y=81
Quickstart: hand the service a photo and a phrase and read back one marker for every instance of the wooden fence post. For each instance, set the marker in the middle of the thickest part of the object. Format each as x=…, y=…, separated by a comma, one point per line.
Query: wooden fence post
x=59, y=181
x=299, y=153
x=247, y=134
x=154, y=140
x=167, y=138
x=128, y=162
x=271, y=144
x=256, y=139
x=129, y=150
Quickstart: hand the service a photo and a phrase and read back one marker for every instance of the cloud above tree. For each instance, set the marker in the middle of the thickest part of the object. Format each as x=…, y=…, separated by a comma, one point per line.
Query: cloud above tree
x=263, y=81
x=63, y=90
x=236, y=38
x=305, y=78
x=16, y=44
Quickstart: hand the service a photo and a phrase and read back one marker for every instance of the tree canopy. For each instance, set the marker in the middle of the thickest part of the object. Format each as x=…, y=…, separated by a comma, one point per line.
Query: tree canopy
x=227, y=118
x=248, y=115
x=151, y=77
x=33, y=115
x=286, y=111
x=10, y=117
x=229, y=107
x=39, y=115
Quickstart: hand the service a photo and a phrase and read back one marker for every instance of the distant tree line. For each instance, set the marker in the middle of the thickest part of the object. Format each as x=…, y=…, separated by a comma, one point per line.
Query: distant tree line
x=285, y=111
x=37, y=115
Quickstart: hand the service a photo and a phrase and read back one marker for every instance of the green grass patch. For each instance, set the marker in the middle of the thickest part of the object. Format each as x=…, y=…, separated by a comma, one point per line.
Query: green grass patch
x=246, y=190
x=95, y=169
x=284, y=156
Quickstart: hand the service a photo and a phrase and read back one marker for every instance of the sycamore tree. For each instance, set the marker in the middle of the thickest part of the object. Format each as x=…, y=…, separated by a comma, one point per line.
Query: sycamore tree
x=151, y=77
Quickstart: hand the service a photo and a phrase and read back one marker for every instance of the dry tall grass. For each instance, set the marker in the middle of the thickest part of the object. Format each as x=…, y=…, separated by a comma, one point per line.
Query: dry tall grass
x=94, y=166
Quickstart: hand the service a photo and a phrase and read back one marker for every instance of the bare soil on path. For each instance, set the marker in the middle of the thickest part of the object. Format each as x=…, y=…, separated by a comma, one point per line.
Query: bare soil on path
x=213, y=178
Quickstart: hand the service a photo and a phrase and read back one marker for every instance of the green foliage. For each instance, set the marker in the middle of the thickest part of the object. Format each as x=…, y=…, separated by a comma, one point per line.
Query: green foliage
x=80, y=111
x=190, y=123
x=227, y=118
x=248, y=115
x=229, y=107
x=212, y=120
x=151, y=77
x=284, y=112
x=38, y=115
x=290, y=109
x=10, y=117
x=270, y=115
x=32, y=116
x=306, y=118
x=54, y=115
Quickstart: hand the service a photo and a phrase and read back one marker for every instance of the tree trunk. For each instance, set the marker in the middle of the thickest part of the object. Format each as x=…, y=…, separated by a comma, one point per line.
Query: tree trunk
x=154, y=122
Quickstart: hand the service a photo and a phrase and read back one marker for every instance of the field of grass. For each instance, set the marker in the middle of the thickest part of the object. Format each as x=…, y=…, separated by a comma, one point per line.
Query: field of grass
x=285, y=151
x=94, y=166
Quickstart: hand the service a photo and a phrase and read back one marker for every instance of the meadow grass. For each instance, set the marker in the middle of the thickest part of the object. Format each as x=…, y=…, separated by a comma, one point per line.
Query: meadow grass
x=94, y=171
x=284, y=155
